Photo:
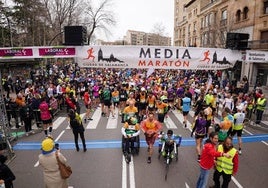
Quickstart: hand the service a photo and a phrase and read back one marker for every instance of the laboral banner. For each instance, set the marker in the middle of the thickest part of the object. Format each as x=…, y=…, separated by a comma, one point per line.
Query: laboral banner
x=146, y=57
x=37, y=52
x=257, y=56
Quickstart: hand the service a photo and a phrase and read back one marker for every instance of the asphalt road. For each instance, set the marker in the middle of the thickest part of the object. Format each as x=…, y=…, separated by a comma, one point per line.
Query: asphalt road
x=103, y=165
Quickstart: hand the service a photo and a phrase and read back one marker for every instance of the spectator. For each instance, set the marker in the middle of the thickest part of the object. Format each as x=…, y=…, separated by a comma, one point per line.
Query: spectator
x=261, y=104
x=6, y=175
x=47, y=160
x=26, y=114
x=225, y=167
x=77, y=128
x=207, y=159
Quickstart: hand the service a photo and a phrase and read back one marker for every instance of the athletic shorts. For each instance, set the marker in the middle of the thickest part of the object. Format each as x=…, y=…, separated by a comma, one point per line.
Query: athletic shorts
x=185, y=113
x=150, y=140
x=48, y=121
x=142, y=106
x=199, y=136
x=238, y=132
x=107, y=103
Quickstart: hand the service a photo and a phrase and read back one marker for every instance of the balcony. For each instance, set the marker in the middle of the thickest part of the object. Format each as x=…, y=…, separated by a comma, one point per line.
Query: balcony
x=258, y=44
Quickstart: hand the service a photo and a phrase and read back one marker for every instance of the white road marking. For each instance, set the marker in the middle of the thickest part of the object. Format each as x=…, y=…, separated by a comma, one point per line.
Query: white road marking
x=186, y=185
x=131, y=173
x=56, y=140
x=96, y=118
x=124, y=172
x=236, y=182
x=112, y=121
x=169, y=123
x=179, y=116
x=36, y=164
x=58, y=122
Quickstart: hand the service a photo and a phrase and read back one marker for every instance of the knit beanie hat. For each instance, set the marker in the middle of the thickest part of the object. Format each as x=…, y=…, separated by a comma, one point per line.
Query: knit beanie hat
x=47, y=146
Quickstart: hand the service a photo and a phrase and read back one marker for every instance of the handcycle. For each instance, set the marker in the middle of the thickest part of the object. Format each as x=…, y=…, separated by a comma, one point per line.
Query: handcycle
x=130, y=138
x=168, y=149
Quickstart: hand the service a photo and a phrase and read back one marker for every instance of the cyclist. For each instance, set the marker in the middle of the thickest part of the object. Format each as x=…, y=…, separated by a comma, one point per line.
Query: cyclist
x=130, y=131
x=169, y=139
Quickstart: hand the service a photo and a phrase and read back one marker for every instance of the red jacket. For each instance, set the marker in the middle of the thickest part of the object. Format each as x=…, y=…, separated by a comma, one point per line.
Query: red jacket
x=208, y=155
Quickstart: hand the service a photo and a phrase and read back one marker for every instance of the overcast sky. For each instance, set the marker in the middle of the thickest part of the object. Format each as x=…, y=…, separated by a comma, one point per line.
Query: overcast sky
x=142, y=15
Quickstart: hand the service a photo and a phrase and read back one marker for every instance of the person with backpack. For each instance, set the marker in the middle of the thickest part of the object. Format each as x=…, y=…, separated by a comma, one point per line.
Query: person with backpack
x=77, y=128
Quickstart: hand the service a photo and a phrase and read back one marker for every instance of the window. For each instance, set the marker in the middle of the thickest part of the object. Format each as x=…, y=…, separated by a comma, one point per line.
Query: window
x=212, y=18
x=207, y=20
x=189, y=28
x=202, y=22
x=238, y=15
x=224, y=15
x=265, y=7
x=245, y=13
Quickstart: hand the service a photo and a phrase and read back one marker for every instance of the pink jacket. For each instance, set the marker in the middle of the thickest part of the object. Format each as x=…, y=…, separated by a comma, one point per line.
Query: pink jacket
x=44, y=111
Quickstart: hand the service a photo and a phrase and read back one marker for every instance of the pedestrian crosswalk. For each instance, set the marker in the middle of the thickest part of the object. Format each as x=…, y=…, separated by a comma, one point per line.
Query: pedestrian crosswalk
x=173, y=120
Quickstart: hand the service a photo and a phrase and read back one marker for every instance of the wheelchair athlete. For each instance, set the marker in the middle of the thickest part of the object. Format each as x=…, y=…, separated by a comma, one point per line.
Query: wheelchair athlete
x=130, y=131
x=169, y=139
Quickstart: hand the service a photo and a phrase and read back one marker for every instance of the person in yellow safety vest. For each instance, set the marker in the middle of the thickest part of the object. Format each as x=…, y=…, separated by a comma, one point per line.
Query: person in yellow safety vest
x=225, y=167
x=238, y=126
x=251, y=105
x=261, y=103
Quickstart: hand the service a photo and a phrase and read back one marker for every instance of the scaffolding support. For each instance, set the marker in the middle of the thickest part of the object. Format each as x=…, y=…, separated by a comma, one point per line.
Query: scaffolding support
x=5, y=132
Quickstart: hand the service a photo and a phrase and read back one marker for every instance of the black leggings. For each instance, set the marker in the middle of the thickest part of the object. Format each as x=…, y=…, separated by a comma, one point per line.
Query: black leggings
x=82, y=136
x=226, y=179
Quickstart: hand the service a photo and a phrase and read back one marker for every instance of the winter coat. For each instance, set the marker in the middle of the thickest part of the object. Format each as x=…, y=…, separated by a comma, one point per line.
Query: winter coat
x=51, y=172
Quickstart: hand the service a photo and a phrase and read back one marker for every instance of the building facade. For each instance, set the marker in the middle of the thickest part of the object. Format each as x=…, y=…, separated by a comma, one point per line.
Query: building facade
x=205, y=23
x=142, y=38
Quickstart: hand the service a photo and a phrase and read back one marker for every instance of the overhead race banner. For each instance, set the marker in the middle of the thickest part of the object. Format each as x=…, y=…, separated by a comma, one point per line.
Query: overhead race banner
x=257, y=56
x=144, y=57
x=141, y=57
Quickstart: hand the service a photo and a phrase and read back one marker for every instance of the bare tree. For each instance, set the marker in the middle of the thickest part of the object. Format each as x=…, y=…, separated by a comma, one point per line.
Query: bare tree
x=99, y=18
x=61, y=13
x=159, y=29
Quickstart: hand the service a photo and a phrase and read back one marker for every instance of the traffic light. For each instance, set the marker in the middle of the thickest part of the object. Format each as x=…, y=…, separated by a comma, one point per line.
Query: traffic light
x=237, y=41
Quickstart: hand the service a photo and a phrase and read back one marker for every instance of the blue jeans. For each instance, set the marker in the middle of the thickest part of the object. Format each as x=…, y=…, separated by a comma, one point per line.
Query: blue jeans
x=203, y=178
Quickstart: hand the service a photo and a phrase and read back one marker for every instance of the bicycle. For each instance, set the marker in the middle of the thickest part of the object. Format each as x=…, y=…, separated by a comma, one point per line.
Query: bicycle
x=166, y=152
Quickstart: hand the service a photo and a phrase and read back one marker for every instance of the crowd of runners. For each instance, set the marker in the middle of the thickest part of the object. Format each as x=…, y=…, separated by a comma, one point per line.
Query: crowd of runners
x=147, y=95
